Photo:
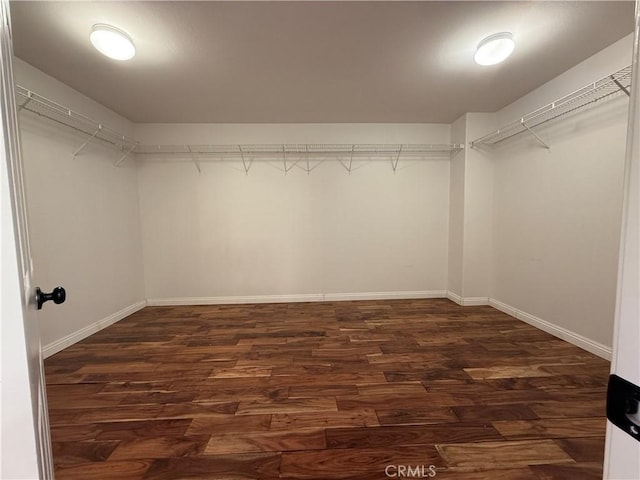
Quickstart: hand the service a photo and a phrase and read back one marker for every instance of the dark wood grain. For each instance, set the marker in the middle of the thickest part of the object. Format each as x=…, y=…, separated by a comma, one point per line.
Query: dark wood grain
x=325, y=391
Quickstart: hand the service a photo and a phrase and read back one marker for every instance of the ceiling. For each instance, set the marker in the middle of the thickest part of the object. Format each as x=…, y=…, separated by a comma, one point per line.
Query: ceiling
x=311, y=62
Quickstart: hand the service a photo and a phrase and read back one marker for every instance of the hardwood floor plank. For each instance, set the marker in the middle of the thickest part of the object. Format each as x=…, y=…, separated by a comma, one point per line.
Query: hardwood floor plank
x=505, y=454
x=225, y=424
x=349, y=462
x=397, y=388
x=551, y=428
x=254, y=466
x=409, y=435
x=581, y=471
x=508, y=371
x=584, y=449
x=307, y=391
x=160, y=447
x=416, y=416
x=67, y=453
x=293, y=405
x=142, y=429
x=266, y=442
x=491, y=413
x=311, y=420
x=74, y=433
x=133, y=470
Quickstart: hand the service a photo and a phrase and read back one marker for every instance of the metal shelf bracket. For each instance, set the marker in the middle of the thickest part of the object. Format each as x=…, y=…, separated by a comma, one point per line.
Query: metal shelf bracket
x=27, y=101
x=126, y=154
x=620, y=86
x=348, y=167
x=246, y=165
x=394, y=163
x=195, y=160
x=81, y=147
x=534, y=135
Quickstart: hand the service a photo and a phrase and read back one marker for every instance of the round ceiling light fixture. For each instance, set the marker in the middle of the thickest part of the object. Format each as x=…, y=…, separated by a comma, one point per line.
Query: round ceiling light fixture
x=112, y=42
x=494, y=49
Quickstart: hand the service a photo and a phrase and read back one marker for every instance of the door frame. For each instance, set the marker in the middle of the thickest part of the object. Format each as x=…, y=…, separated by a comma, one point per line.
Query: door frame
x=26, y=451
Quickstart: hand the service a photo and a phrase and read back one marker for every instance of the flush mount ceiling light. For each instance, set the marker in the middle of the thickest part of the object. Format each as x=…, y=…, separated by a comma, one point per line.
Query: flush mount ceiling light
x=112, y=42
x=494, y=49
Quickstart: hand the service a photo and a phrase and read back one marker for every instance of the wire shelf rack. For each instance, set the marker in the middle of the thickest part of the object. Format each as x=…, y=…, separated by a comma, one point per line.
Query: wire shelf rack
x=301, y=154
x=276, y=151
x=290, y=155
x=606, y=88
x=35, y=103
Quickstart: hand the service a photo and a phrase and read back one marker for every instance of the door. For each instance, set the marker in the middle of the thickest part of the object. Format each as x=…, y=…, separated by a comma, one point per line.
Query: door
x=26, y=445
x=622, y=452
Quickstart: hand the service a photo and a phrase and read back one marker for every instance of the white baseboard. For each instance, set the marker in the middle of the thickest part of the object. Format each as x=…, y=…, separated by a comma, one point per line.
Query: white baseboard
x=555, y=330
x=75, y=337
x=338, y=297
x=467, y=301
x=312, y=297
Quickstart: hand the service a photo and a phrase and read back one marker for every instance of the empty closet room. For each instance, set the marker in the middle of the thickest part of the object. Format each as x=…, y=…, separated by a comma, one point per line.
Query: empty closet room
x=321, y=240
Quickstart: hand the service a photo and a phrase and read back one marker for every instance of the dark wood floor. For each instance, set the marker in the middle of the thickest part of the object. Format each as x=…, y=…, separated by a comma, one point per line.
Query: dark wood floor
x=326, y=391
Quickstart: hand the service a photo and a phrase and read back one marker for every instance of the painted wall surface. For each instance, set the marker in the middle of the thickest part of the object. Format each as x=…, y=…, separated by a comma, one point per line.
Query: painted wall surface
x=478, y=211
x=456, y=208
x=222, y=233
x=83, y=215
x=557, y=213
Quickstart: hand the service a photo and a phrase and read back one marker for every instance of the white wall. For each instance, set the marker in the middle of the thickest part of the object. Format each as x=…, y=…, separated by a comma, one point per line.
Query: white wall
x=227, y=234
x=471, y=203
x=557, y=213
x=83, y=216
x=456, y=209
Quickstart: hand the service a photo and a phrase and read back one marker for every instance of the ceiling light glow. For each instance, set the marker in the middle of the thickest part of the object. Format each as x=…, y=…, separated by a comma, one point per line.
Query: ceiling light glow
x=494, y=49
x=112, y=42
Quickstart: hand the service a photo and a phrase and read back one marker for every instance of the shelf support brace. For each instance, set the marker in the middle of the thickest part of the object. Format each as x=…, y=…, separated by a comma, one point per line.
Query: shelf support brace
x=246, y=165
x=351, y=158
x=620, y=86
x=26, y=102
x=195, y=160
x=284, y=159
x=77, y=152
x=342, y=162
x=394, y=164
x=534, y=134
x=126, y=154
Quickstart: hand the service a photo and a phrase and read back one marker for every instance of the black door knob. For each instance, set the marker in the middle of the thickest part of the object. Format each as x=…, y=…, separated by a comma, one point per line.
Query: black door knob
x=58, y=295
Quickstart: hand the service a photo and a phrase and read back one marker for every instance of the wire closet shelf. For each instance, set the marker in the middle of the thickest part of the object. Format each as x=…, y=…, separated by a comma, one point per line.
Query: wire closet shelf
x=270, y=152
x=35, y=103
x=301, y=155
x=603, y=89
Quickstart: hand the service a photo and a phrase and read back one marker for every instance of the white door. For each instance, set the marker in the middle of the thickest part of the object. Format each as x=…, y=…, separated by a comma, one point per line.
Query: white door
x=24, y=429
x=622, y=453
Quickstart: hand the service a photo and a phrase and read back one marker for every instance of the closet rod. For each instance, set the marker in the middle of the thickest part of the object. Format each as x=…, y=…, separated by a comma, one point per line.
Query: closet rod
x=606, y=87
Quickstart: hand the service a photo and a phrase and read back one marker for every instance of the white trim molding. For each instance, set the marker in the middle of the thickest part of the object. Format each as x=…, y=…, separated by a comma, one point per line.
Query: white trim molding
x=310, y=297
x=467, y=301
x=75, y=337
x=555, y=330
